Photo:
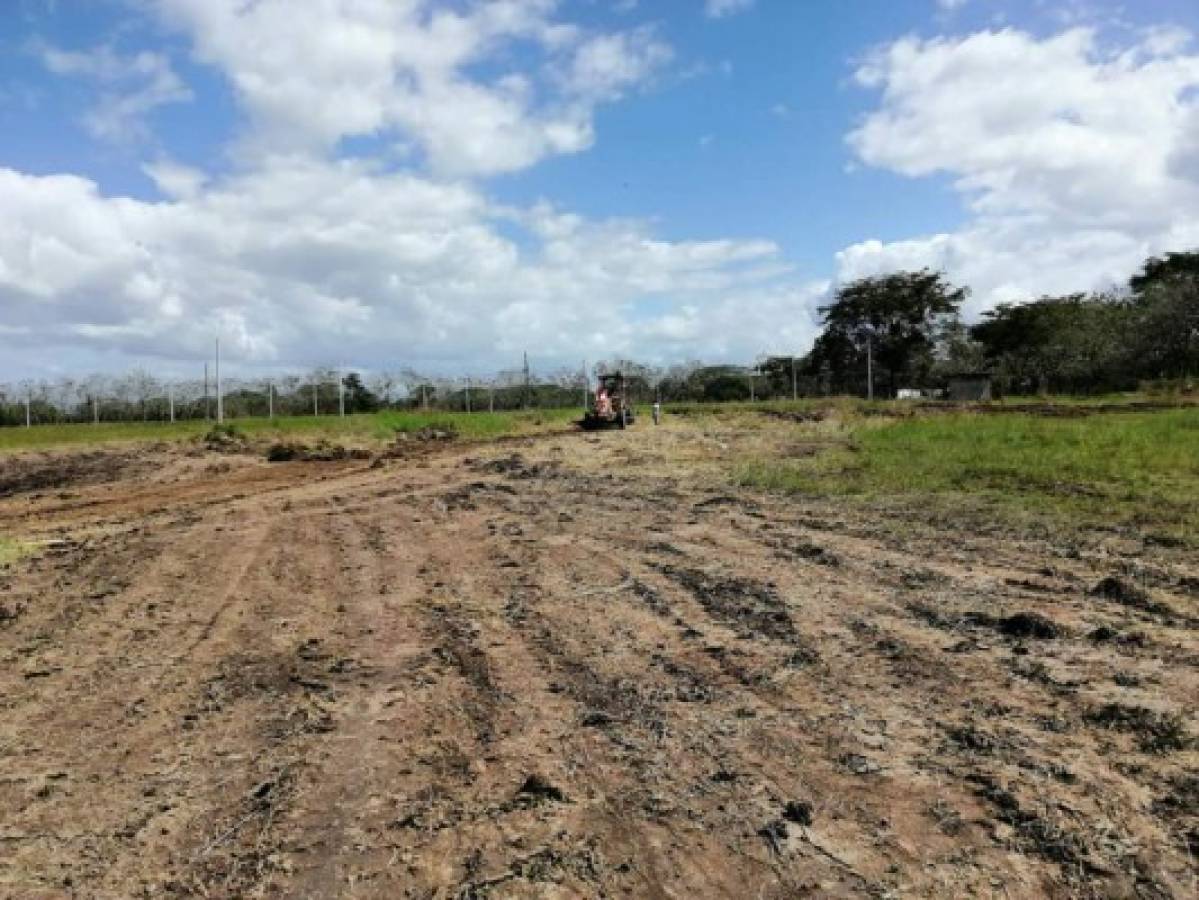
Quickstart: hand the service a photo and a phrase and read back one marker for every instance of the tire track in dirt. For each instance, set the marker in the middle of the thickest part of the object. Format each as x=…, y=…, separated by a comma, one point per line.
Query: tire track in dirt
x=519, y=679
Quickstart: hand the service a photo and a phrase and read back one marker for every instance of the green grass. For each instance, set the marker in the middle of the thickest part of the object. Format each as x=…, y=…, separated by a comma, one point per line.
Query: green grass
x=356, y=428
x=1139, y=469
x=11, y=550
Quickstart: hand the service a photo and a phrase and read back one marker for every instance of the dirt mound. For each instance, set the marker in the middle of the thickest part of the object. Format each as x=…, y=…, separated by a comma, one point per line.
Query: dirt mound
x=1029, y=625
x=320, y=452
x=226, y=438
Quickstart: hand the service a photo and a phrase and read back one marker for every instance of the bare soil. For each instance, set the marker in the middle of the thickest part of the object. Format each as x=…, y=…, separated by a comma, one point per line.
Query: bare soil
x=576, y=666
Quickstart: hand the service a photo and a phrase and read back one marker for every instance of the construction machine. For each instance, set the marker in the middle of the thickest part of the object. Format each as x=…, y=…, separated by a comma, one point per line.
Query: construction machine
x=611, y=406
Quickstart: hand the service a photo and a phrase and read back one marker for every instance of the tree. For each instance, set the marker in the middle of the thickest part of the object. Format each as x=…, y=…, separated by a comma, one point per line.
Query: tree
x=1078, y=342
x=359, y=399
x=895, y=317
x=1166, y=312
x=1170, y=269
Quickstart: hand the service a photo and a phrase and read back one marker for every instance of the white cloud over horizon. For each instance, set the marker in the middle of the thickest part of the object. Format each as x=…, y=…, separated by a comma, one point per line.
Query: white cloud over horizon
x=1073, y=160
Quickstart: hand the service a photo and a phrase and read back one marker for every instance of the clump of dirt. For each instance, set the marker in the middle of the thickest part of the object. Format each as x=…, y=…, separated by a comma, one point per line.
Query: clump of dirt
x=323, y=451
x=1128, y=594
x=1155, y=732
x=774, y=834
x=517, y=467
x=427, y=434
x=1019, y=625
x=537, y=789
x=798, y=812
x=1029, y=625
x=972, y=738
x=226, y=438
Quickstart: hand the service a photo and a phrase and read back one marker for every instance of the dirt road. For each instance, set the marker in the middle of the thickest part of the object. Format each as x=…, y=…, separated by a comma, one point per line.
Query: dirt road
x=576, y=667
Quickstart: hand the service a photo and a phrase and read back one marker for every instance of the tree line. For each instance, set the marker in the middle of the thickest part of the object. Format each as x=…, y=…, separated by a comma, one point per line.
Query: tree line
x=906, y=326
x=140, y=396
x=899, y=330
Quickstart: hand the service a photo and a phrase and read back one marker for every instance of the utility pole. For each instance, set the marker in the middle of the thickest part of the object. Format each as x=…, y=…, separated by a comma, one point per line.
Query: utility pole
x=752, y=397
x=220, y=401
x=171, y=400
x=526, y=379
x=270, y=400
x=586, y=385
x=794, y=381
x=28, y=412
x=870, y=367
x=491, y=396
x=207, y=405
x=424, y=397
x=341, y=393
x=468, y=393
x=95, y=410
x=316, y=404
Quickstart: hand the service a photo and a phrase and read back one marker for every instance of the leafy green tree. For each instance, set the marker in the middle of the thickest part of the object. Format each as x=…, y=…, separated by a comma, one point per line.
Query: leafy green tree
x=359, y=398
x=1169, y=269
x=896, y=317
x=1074, y=343
x=1166, y=310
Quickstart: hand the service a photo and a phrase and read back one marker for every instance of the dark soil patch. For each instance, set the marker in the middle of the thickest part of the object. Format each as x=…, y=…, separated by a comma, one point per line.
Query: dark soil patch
x=1019, y=625
x=517, y=467
x=536, y=790
x=24, y=475
x=1155, y=732
x=1036, y=834
x=1127, y=594
x=798, y=812
x=1029, y=625
x=321, y=452
x=802, y=415
x=752, y=609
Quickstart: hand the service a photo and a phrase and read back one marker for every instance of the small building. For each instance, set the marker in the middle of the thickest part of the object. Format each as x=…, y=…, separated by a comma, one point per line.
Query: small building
x=970, y=387
x=909, y=394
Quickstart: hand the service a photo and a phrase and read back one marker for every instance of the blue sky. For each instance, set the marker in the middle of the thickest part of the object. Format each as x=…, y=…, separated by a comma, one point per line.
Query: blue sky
x=439, y=184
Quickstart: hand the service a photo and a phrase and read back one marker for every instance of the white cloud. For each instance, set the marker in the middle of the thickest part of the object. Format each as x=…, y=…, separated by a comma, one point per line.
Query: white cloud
x=176, y=181
x=303, y=261
x=719, y=9
x=375, y=67
x=604, y=66
x=298, y=256
x=1075, y=162
x=132, y=87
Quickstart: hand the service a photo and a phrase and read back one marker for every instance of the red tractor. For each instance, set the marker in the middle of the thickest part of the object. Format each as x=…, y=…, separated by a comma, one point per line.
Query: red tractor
x=611, y=405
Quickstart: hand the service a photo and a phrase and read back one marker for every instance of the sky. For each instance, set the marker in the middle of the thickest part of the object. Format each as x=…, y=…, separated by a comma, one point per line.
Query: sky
x=446, y=184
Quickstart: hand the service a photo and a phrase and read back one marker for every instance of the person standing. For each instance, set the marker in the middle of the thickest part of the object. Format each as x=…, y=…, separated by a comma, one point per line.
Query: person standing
x=657, y=410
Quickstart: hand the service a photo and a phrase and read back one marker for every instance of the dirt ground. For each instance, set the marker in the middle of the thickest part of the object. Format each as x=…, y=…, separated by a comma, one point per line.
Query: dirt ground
x=577, y=666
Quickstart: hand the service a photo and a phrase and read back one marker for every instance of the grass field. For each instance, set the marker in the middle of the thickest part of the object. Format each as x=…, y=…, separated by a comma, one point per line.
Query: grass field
x=12, y=550
x=1123, y=468
x=365, y=427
